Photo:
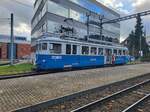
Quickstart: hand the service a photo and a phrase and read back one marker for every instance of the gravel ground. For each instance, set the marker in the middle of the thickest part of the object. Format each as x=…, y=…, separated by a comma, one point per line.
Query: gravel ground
x=20, y=92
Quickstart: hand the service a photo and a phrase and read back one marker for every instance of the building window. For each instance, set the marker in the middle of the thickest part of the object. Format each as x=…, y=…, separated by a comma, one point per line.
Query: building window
x=77, y=16
x=57, y=9
x=44, y=10
x=100, y=51
x=53, y=27
x=40, y=46
x=38, y=2
x=44, y=27
x=68, y=49
x=95, y=8
x=55, y=48
x=81, y=32
x=85, y=50
x=93, y=50
x=44, y=46
x=74, y=49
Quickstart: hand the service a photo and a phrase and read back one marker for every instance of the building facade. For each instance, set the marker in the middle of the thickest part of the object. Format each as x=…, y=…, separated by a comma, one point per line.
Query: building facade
x=22, y=48
x=148, y=40
x=54, y=16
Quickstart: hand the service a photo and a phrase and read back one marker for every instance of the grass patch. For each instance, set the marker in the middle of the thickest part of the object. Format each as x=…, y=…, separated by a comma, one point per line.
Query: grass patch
x=15, y=69
x=134, y=62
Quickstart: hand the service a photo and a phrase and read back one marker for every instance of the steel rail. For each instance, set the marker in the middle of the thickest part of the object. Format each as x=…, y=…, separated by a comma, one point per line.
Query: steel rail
x=107, y=98
x=20, y=75
x=136, y=104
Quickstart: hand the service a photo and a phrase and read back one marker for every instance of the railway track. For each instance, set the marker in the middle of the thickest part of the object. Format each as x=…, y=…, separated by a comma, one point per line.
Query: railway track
x=12, y=76
x=28, y=74
x=136, y=106
x=73, y=101
x=143, y=105
x=122, y=101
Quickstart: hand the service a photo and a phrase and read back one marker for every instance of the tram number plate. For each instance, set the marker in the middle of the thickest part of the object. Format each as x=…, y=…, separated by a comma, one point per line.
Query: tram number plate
x=56, y=57
x=94, y=59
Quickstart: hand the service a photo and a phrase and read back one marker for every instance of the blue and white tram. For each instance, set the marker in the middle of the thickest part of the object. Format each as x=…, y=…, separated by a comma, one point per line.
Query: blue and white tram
x=57, y=53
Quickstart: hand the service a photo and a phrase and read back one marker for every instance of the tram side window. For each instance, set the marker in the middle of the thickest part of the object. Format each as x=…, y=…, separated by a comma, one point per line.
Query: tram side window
x=124, y=52
x=55, y=48
x=115, y=51
x=100, y=51
x=40, y=46
x=93, y=50
x=85, y=50
x=120, y=52
x=74, y=50
x=44, y=46
x=108, y=52
x=36, y=47
x=68, y=49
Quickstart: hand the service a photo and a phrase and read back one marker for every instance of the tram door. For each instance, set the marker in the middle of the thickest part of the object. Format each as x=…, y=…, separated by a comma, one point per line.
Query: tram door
x=108, y=56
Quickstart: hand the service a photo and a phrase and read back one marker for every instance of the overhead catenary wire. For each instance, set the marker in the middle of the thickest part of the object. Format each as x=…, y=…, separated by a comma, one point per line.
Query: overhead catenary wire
x=23, y=4
x=5, y=21
x=18, y=2
x=4, y=18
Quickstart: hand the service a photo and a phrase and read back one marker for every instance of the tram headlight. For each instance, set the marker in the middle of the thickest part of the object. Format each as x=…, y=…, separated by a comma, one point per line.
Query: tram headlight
x=43, y=60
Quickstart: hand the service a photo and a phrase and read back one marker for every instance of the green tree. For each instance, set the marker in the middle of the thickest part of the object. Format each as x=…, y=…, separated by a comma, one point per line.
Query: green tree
x=137, y=39
x=131, y=43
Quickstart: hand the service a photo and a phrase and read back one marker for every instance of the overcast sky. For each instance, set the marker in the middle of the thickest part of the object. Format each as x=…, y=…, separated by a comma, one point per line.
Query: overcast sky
x=23, y=15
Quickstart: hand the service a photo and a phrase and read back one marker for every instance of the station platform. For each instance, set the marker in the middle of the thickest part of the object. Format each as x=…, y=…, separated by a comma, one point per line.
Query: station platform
x=26, y=91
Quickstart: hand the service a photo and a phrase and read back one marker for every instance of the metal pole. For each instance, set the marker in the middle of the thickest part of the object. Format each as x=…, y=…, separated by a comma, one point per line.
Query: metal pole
x=101, y=25
x=12, y=40
x=88, y=30
x=140, y=46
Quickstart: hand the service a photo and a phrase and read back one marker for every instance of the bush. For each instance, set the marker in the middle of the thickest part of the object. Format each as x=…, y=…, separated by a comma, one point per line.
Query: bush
x=145, y=59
